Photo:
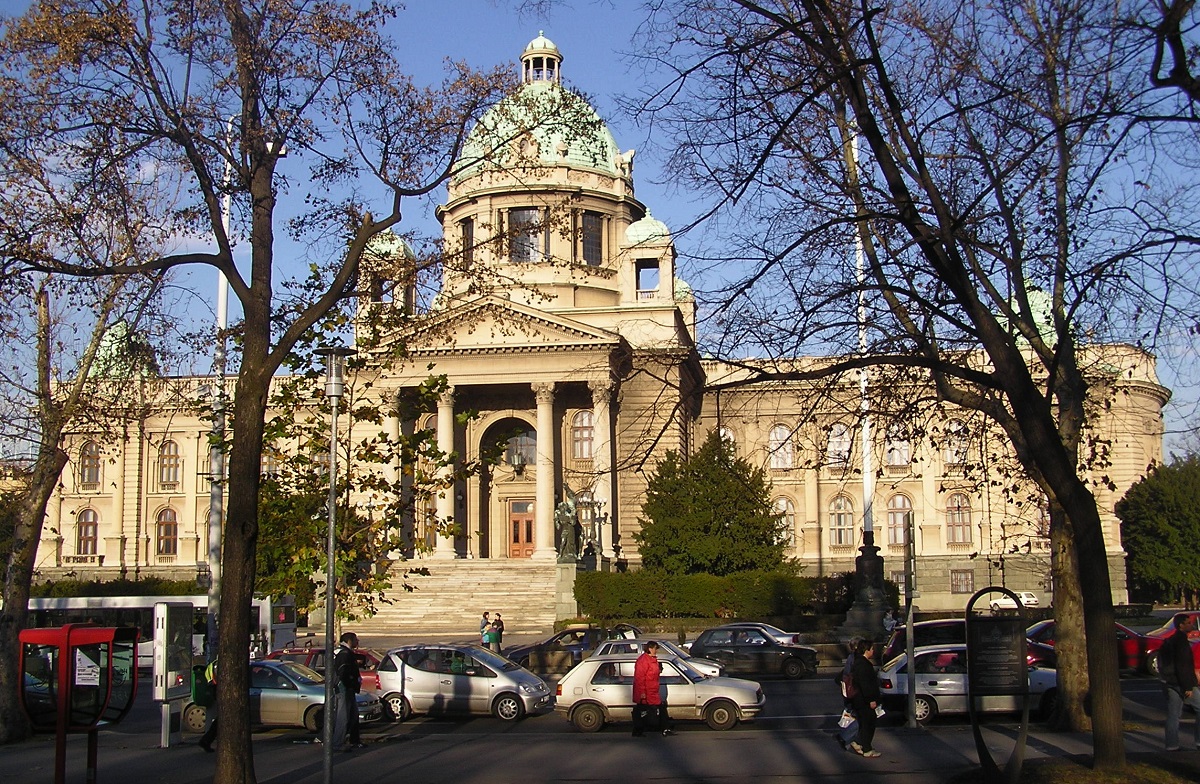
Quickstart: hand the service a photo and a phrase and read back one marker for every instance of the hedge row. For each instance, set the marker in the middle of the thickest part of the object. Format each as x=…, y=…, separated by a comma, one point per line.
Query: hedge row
x=652, y=594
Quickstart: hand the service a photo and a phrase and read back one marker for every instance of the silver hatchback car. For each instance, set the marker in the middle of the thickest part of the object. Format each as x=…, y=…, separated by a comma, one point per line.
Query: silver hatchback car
x=458, y=680
x=600, y=689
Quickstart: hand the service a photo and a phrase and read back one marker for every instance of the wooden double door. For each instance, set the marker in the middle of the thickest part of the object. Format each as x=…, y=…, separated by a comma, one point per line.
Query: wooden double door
x=521, y=528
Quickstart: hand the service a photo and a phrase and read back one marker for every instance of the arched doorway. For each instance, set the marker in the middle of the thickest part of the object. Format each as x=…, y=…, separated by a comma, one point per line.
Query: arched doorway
x=508, y=490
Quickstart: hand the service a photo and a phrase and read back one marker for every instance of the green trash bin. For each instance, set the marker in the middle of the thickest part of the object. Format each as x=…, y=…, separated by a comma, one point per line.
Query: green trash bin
x=204, y=693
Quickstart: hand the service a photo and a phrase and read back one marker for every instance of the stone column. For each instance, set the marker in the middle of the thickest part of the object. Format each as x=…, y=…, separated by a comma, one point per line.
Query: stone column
x=602, y=462
x=444, y=508
x=543, y=512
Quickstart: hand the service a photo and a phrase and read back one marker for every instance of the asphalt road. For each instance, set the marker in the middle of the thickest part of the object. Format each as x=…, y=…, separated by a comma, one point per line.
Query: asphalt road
x=791, y=741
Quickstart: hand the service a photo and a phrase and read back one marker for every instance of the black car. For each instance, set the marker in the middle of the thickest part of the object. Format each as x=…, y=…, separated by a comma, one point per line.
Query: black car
x=953, y=631
x=747, y=650
x=561, y=651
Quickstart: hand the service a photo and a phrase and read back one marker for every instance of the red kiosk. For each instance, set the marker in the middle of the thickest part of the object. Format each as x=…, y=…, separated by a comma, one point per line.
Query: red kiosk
x=77, y=678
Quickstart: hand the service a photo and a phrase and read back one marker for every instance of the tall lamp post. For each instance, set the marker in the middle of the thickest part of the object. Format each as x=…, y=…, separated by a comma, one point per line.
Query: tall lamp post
x=335, y=385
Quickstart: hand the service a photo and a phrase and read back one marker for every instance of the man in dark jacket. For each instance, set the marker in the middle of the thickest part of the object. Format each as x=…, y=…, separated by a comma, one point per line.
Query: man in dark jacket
x=349, y=682
x=1178, y=672
x=866, y=697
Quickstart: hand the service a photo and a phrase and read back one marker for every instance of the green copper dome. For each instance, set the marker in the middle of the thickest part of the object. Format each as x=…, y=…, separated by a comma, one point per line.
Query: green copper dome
x=541, y=124
x=649, y=230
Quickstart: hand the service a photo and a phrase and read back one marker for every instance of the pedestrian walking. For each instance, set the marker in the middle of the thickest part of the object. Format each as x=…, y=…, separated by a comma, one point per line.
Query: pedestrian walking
x=865, y=699
x=1177, y=671
x=485, y=624
x=848, y=723
x=210, y=712
x=647, y=698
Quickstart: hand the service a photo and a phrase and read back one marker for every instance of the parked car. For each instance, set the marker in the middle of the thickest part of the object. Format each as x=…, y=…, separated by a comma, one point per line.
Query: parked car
x=313, y=657
x=707, y=667
x=774, y=632
x=953, y=631
x=746, y=650
x=286, y=694
x=941, y=685
x=600, y=690
x=1005, y=602
x=563, y=650
x=1156, y=638
x=458, y=680
x=1131, y=646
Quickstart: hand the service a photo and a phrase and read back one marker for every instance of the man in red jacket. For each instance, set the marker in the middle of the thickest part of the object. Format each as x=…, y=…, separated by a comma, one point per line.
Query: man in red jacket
x=646, y=695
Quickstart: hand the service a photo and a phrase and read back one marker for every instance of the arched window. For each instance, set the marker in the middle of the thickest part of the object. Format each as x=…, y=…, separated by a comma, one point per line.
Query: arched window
x=168, y=465
x=958, y=519
x=783, y=454
x=838, y=452
x=841, y=522
x=87, y=532
x=899, y=450
x=89, y=466
x=898, y=510
x=787, y=520
x=583, y=434
x=956, y=442
x=167, y=530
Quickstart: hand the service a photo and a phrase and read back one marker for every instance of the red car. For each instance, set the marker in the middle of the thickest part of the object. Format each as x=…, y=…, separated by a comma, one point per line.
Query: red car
x=1156, y=638
x=1131, y=646
x=314, y=658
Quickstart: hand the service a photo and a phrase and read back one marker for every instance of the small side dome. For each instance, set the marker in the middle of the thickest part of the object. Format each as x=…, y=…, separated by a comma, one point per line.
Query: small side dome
x=648, y=231
x=389, y=247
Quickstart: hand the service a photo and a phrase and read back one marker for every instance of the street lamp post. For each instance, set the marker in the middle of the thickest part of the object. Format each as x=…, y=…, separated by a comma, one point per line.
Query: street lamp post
x=335, y=385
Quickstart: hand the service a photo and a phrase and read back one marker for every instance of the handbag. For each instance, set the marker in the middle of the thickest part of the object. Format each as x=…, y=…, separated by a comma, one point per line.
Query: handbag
x=849, y=690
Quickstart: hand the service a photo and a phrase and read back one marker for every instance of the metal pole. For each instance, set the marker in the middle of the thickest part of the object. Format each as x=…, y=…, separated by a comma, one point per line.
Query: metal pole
x=334, y=387
x=216, y=451
x=910, y=636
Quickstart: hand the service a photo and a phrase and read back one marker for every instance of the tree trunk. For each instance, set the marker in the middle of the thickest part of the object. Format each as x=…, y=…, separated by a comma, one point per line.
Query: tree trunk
x=1070, y=641
x=27, y=533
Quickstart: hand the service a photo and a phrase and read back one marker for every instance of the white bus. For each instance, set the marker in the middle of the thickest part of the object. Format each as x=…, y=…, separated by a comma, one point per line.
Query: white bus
x=273, y=624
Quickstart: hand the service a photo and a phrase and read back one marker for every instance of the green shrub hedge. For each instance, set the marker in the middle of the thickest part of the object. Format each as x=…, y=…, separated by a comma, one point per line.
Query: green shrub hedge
x=652, y=594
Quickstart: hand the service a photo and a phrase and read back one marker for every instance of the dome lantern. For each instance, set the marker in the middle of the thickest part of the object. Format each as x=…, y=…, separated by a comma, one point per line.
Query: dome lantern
x=541, y=61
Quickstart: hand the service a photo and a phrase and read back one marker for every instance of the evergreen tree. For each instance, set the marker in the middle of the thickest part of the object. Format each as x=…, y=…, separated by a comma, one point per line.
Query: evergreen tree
x=710, y=513
x=1160, y=525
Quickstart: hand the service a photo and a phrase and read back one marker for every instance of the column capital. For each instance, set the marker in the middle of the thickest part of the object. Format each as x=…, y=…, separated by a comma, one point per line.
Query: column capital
x=446, y=398
x=543, y=391
x=601, y=387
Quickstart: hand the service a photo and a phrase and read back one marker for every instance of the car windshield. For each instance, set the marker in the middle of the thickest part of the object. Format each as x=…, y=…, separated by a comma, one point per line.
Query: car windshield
x=493, y=660
x=301, y=674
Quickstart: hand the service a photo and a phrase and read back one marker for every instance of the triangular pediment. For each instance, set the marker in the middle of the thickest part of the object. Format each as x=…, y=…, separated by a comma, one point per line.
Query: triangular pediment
x=496, y=325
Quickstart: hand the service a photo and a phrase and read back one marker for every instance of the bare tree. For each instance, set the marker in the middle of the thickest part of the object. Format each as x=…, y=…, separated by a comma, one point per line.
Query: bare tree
x=972, y=192
x=208, y=98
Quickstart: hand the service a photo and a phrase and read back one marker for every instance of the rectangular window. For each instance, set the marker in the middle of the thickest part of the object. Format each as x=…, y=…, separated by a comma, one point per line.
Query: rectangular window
x=962, y=581
x=897, y=577
x=467, y=237
x=524, y=235
x=593, y=239
x=647, y=278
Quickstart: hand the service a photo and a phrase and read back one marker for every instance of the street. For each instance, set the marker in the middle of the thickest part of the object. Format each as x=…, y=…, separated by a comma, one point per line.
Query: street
x=790, y=741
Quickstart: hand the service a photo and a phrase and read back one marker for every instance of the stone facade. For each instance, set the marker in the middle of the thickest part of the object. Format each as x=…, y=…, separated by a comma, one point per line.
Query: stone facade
x=560, y=318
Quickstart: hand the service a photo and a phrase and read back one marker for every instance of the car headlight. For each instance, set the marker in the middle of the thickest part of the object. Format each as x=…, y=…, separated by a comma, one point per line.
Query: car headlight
x=532, y=688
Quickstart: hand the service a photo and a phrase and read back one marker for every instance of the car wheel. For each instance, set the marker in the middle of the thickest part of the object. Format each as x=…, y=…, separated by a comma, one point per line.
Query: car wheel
x=721, y=715
x=314, y=718
x=397, y=706
x=925, y=710
x=194, y=717
x=588, y=718
x=508, y=707
x=794, y=668
x=1048, y=704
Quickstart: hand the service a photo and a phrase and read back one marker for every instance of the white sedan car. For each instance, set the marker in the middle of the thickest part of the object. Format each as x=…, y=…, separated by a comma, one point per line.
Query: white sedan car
x=600, y=689
x=1004, y=602
x=941, y=678
x=705, y=666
